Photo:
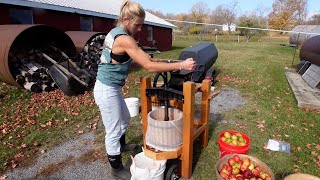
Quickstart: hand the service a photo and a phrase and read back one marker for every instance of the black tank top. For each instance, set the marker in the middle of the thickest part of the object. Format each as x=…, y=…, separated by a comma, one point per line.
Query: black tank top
x=120, y=58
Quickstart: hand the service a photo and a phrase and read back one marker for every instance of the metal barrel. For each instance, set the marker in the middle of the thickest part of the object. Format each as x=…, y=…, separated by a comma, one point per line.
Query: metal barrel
x=15, y=38
x=301, y=33
x=81, y=38
x=310, y=50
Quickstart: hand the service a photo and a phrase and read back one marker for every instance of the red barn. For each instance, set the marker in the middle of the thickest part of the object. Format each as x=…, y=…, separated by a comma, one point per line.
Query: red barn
x=83, y=15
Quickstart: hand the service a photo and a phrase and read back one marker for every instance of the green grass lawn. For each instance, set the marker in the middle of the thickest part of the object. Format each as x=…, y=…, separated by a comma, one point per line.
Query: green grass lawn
x=31, y=123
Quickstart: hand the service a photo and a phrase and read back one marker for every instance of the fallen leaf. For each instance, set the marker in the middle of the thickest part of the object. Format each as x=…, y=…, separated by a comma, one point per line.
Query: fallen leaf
x=309, y=146
x=298, y=148
x=314, y=153
x=261, y=125
x=3, y=177
x=296, y=168
x=36, y=143
x=17, y=156
x=13, y=164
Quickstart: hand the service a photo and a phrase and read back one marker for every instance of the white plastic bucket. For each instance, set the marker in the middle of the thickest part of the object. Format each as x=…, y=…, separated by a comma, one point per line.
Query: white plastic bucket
x=133, y=106
x=145, y=168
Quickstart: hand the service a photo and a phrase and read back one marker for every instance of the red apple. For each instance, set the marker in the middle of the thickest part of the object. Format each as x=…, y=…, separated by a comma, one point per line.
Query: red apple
x=247, y=174
x=224, y=175
x=225, y=171
x=243, y=167
x=236, y=158
x=231, y=161
x=263, y=175
x=257, y=168
x=224, y=166
x=240, y=178
x=268, y=178
x=246, y=161
x=256, y=172
x=229, y=168
x=254, y=178
x=232, y=176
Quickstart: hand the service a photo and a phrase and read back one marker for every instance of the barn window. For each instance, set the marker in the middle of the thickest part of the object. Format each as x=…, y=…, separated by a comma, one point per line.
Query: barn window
x=85, y=23
x=150, y=33
x=20, y=16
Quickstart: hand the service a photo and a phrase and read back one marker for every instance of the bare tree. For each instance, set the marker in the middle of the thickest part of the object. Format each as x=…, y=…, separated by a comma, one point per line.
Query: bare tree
x=261, y=12
x=314, y=20
x=156, y=13
x=225, y=14
x=200, y=12
x=181, y=25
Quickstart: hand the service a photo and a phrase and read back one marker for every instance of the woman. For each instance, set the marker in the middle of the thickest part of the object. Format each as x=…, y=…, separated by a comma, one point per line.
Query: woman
x=120, y=50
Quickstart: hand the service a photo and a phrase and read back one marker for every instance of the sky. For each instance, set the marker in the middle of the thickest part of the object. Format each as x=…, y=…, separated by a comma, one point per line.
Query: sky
x=184, y=6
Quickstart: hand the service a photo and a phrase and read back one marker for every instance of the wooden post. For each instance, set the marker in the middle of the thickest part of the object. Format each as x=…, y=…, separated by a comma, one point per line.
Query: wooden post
x=145, y=105
x=238, y=38
x=187, y=139
x=205, y=111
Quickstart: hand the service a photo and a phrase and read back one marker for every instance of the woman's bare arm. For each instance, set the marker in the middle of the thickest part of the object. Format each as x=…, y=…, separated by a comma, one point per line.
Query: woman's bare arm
x=128, y=44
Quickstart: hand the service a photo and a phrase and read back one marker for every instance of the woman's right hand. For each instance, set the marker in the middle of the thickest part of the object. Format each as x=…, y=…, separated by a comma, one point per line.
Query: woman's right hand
x=188, y=64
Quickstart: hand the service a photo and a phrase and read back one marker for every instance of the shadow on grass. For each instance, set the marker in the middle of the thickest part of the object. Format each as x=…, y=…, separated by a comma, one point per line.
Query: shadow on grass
x=197, y=148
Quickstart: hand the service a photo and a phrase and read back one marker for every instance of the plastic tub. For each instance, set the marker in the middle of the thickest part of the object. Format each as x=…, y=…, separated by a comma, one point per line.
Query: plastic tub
x=226, y=148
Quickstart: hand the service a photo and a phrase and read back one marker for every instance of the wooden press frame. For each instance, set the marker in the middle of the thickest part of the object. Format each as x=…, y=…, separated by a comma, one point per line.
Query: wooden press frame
x=192, y=127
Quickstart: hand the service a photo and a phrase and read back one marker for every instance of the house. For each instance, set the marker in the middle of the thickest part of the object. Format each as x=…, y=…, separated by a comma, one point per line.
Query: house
x=225, y=27
x=83, y=15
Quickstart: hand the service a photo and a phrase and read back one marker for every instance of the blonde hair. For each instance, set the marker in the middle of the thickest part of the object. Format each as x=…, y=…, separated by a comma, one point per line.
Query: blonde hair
x=131, y=10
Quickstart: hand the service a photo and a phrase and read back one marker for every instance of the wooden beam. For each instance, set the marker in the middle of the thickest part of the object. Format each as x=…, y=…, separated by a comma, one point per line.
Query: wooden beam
x=145, y=105
x=205, y=111
x=188, y=120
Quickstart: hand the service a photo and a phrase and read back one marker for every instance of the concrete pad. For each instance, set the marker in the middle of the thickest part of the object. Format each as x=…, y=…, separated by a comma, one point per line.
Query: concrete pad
x=306, y=96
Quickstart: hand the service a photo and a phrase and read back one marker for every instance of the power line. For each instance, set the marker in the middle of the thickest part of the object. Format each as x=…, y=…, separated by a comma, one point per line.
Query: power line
x=251, y=28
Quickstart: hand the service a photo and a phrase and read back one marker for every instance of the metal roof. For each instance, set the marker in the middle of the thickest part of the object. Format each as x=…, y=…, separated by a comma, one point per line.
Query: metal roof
x=100, y=8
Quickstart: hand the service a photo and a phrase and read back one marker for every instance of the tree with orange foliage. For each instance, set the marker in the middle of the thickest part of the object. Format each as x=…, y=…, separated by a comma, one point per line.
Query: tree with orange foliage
x=287, y=13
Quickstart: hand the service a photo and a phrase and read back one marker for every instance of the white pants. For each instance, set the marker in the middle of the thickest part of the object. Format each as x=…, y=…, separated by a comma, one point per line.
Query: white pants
x=115, y=115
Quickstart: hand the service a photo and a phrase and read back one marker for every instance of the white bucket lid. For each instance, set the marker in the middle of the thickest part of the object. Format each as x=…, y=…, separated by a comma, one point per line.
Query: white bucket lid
x=131, y=100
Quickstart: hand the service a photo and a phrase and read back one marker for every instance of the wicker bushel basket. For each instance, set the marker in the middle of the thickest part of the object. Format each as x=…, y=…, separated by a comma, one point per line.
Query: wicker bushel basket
x=255, y=161
x=164, y=135
x=301, y=176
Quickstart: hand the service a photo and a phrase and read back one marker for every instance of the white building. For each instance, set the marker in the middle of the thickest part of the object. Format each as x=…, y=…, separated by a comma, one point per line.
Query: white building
x=232, y=26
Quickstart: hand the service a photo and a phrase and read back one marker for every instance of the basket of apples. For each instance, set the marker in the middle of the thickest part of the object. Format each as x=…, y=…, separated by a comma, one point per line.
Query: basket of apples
x=241, y=167
x=233, y=142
